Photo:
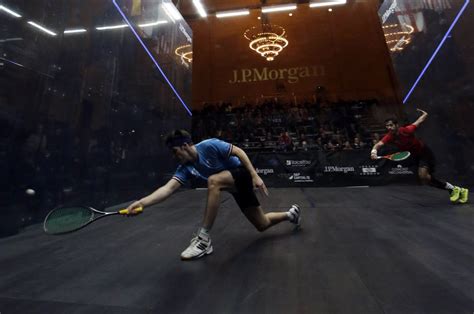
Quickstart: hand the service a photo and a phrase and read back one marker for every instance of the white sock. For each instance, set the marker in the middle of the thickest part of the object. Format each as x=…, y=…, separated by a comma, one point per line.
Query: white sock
x=204, y=233
x=449, y=186
x=290, y=216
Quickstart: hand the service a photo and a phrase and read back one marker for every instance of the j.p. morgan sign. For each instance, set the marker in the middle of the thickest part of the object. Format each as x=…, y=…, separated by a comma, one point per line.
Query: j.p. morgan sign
x=291, y=75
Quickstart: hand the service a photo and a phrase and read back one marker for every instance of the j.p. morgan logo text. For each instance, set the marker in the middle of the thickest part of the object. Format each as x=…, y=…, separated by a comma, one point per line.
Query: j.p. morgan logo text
x=265, y=171
x=291, y=75
x=338, y=169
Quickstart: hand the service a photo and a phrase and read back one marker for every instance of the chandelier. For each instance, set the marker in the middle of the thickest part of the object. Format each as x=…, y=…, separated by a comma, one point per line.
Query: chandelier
x=185, y=52
x=398, y=36
x=268, y=41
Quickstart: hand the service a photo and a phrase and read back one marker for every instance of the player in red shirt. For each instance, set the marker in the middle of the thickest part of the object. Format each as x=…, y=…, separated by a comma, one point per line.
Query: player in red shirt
x=404, y=138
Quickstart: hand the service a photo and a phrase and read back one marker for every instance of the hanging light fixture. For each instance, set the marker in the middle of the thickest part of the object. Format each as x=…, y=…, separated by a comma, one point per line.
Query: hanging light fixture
x=185, y=52
x=268, y=40
x=398, y=36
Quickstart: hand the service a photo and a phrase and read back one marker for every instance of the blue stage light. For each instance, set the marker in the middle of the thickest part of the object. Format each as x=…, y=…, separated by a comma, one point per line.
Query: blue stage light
x=436, y=51
x=151, y=57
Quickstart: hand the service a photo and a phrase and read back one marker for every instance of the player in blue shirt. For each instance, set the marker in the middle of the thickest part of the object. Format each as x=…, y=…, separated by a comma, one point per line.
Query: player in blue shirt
x=223, y=166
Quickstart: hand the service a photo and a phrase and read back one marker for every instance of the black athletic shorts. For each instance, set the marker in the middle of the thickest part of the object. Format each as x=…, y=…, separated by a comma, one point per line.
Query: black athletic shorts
x=243, y=194
x=426, y=159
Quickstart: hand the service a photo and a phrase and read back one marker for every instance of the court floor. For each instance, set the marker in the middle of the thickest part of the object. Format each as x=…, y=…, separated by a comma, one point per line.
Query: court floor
x=396, y=249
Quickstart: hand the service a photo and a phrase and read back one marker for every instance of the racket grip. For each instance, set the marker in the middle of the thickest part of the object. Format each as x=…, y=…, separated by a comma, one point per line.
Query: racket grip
x=138, y=210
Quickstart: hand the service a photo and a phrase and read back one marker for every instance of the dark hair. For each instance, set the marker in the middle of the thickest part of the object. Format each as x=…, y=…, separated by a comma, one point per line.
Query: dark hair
x=393, y=120
x=178, y=138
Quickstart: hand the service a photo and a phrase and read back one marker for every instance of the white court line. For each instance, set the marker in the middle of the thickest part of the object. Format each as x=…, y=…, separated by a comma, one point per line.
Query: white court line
x=357, y=187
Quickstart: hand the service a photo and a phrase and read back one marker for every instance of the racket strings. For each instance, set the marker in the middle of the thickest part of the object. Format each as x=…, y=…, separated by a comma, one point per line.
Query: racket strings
x=67, y=219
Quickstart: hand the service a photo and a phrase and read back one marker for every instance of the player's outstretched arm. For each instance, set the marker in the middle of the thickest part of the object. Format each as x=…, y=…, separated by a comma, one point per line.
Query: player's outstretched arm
x=422, y=118
x=157, y=196
x=373, y=152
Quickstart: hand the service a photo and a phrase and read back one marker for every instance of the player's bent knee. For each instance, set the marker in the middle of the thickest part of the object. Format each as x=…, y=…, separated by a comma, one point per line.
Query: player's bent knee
x=259, y=225
x=425, y=178
x=424, y=175
x=213, y=182
x=261, y=228
x=262, y=225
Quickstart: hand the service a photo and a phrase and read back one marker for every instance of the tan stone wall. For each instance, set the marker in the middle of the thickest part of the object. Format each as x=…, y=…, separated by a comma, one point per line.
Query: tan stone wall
x=342, y=50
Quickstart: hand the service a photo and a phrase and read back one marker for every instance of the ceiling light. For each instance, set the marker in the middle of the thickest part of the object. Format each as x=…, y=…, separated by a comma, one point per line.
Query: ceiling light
x=198, y=5
x=44, y=29
x=3, y=8
x=74, y=31
x=232, y=13
x=153, y=23
x=268, y=40
x=185, y=52
x=102, y=28
x=276, y=8
x=171, y=11
x=317, y=4
x=10, y=39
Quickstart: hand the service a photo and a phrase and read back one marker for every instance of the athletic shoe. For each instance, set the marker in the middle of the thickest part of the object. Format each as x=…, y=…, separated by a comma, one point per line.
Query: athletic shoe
x=455, y=193
x=295, y=215
x=464, y=196
x=199, y=247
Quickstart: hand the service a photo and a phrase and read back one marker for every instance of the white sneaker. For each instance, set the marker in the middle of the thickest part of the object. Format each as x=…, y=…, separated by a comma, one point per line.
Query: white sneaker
x=295, y=215
x=199, y=247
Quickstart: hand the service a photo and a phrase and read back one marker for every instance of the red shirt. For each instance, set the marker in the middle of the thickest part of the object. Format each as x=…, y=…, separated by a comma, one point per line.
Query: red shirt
x=405, y=139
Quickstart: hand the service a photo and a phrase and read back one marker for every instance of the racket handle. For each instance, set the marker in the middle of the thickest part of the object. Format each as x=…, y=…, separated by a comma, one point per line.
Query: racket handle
x=138, y=210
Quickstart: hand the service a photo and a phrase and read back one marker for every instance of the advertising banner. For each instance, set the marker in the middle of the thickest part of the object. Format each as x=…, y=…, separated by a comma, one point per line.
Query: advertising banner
x=321, y=168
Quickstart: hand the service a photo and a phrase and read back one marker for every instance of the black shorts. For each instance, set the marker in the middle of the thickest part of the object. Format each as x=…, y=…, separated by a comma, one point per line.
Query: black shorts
x=243, y=194
x=426, y=159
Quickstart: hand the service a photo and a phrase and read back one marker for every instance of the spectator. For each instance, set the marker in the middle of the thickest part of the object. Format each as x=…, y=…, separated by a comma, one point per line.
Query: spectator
x=331, y=146
x=358, y=144
x=336, y=122
x=303, y=142
x=347, y=146
x=285, y=142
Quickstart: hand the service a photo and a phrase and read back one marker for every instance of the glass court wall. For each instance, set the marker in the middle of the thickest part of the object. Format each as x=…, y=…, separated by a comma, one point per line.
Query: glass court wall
x=432, y=49
x=88, y=90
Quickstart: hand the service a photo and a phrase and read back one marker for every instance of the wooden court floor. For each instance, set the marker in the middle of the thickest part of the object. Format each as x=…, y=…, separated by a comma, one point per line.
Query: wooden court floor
x=395, y=249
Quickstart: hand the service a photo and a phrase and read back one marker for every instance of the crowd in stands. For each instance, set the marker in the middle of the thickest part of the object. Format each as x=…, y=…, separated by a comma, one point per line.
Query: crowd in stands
x=60, y=161
x=276, y=126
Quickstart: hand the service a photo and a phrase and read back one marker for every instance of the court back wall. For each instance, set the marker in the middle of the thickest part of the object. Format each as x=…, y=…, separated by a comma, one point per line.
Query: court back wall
x=343, y=50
